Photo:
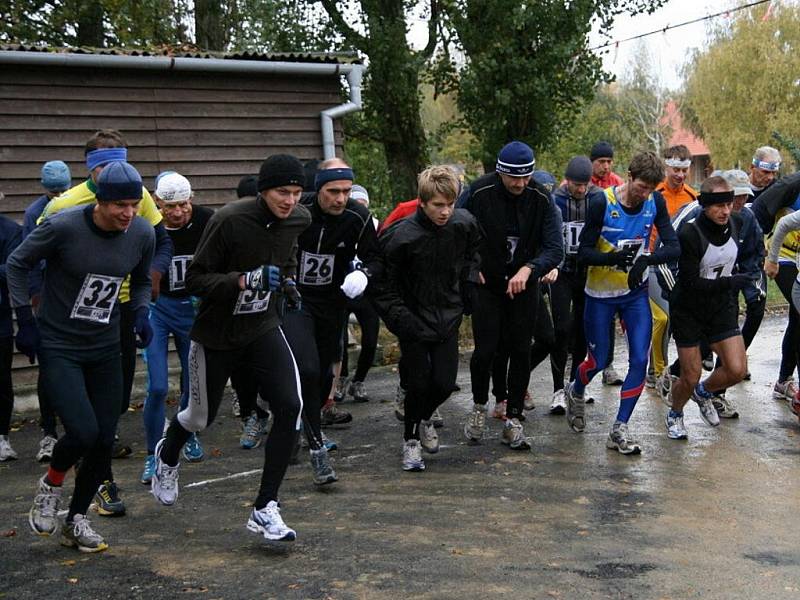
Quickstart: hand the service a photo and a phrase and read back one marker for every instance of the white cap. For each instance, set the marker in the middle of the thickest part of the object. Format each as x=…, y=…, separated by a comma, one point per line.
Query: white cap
x=174, y=187
x=359, y=193
x=739, y=181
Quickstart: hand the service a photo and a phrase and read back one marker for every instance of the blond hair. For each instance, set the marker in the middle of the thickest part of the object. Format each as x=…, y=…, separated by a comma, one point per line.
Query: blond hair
x=438, y=179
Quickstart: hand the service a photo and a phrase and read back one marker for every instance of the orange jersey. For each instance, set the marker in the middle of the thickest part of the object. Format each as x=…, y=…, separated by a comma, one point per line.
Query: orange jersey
x=674, y=201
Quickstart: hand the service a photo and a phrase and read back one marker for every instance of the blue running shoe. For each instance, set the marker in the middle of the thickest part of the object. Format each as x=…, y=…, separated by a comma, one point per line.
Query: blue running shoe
x=192, y=450
x=149, y=469
x=329, y=444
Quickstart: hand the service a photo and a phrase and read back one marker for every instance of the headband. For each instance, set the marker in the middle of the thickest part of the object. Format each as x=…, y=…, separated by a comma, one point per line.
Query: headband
x=766, y=165
x=677, y=163
x=326, y=175
x=103, y=156
x=709, y=198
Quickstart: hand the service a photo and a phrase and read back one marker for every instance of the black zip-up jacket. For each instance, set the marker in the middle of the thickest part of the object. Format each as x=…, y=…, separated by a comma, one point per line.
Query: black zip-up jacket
x=327, y=247
x=540, y=245
x=240, y=236
x=419, y=294
x=781, y=194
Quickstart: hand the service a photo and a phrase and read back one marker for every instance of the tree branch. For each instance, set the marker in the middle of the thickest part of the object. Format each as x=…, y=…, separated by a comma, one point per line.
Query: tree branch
x=433, y=24
x=349, y=34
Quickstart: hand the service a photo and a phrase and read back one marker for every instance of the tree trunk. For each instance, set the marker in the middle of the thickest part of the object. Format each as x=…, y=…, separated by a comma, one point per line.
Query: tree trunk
x=209, y=25
x=90, y=30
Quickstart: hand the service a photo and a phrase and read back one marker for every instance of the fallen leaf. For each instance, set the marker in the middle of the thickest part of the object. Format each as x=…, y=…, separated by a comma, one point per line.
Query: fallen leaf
x=67, y=563
x=581, y=500
x=72, y=580
x=216, y=452
x=9, y=533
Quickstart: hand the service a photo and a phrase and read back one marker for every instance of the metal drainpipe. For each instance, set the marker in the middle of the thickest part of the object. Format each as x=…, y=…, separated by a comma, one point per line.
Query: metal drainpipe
x=353, y=72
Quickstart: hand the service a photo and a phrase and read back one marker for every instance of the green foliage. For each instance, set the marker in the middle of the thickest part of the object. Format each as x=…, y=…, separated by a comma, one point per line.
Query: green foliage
x=744, y=86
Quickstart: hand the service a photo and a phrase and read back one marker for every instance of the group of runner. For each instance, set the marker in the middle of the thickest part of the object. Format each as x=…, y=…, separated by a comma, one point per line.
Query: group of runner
x=259, y=293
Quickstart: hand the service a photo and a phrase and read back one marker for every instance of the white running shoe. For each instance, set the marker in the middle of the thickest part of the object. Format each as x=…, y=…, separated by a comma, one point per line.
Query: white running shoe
x=46, y=445
x=428, y=437
x=611, y=377
x=269, y=523
x=707, y=410
x=6, y=451
x=514, y=435
x=620, y=440
x=476, y=422
x=726, y=409
x=558, y=406
x=43, y=516
x=164, y=483
x=676, y=430
x=412, y=456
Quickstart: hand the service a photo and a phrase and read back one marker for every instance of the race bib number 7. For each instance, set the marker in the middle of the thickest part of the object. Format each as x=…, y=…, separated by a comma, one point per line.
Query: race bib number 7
x=177, y=271
x=316, y=269
x=251, y=301
x=96, y=299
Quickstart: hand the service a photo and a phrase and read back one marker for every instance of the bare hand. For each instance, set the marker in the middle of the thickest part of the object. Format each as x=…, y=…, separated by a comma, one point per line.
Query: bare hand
x=771, y=269
x=155, y=277
x=481, y=279
x=518, y=282
x=550, y=277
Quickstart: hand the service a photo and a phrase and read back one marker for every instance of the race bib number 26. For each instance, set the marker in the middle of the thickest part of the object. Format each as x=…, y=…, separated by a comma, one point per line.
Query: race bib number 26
x=316, y=269
x=96, y=299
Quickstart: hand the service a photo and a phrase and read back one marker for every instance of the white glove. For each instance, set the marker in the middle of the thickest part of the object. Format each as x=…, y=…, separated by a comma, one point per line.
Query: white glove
x=355, y=284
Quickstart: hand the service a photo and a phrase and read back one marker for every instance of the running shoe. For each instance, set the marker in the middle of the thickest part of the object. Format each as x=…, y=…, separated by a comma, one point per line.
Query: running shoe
x=332, y=415
x=268, y=523
x=747, y=376
x=558, y=405
x=235, y=409
x=192, y=450
x=724, y=407
x=120, y=450
x=708, y=362
x=329, y=443
x=428, y=437
x=149, y=469
x=340, y=385
x=514, y=435
x=650, y=380
x=675, y=427
x=43, y=516
x=611, y=377
x=785, y=390
x=500, y=407
x=79, y=534
x=707, y=410
x=321, y=467
x=107, y=500
x=164, y=484
x=620, y=440
x=253, y=432
x=527, y=401
x=664, y=386
x=46, y=445
x=795, y=405
x=476, y=423
x=6, y=451
x=437, y=419
x=358, y=391
x=412, y=456
x=399, y=403
x=575, y=410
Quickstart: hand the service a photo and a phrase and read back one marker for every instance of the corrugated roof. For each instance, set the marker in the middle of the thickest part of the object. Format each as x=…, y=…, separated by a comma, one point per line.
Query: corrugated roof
x=189, y=51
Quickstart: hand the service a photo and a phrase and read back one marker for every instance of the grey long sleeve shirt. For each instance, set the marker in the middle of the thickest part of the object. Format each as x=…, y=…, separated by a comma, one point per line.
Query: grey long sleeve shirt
x=85, y=269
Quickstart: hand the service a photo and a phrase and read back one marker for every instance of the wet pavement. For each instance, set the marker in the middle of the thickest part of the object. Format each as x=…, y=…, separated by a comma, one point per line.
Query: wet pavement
x=712, y=517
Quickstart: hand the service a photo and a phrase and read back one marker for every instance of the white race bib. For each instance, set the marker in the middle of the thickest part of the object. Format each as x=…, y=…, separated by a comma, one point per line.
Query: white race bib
x=251, y=301
x=511, y=247
x=316, y=269
x=96, y=299
x=177, y=271
x=572, y=234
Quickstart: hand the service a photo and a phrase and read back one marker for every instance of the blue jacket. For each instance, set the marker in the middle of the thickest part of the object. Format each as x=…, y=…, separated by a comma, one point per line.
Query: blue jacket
x=32, y=214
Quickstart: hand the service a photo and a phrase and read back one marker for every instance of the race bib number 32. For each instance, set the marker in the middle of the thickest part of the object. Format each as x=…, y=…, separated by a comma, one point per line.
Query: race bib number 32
x=316, y=269
x=95, y=301
x=251, y=301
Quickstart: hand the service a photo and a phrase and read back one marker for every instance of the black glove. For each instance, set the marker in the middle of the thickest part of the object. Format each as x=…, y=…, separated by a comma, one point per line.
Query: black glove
x=293, y=299
x=739, y=281
x=144, y=332
x=623, y=258
x=636, y=274
x=28, y=337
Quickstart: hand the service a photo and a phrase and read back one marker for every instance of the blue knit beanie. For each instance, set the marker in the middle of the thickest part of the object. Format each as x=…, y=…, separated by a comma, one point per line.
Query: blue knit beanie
x=56, y=176
x=119, y=181
x=579, y=169
x=515, y=159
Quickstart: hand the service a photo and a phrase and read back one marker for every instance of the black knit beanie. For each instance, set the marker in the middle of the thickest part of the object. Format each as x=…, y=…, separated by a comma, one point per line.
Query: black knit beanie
x=278, y=170
x=579, y=169
x=601, y=150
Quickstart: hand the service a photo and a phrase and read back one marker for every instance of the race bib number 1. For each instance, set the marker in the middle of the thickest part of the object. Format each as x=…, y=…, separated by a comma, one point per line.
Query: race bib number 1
x=95, y=301
x=177, y=271
x=316, y=269
x=572, y=235
x=251, y=301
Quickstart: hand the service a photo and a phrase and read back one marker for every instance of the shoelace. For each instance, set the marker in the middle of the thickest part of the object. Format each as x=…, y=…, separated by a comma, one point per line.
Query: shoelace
x=82, y=528
x=274, y=516
x=169, y=477
x=251, y=428
x=48, y=504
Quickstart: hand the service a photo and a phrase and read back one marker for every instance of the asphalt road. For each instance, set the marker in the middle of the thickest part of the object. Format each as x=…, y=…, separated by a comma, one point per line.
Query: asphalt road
x=714, y=517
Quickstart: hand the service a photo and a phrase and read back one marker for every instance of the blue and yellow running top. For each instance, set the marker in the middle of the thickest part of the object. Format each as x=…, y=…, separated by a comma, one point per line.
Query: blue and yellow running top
x=620, y=230
x=790, y=249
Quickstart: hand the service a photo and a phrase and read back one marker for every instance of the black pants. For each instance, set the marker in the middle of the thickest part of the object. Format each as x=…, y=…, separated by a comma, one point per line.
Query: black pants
x=370, y=324
x=245, y=385
x=431, y=370
x=6, y=387
x=85, y=389
x=127, y=340
x=497, y=322
x=314, y=337
x=273, y=366
x=787, y=273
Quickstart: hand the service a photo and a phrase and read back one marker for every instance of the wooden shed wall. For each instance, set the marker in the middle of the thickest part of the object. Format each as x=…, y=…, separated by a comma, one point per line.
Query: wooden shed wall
x=213, y=128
